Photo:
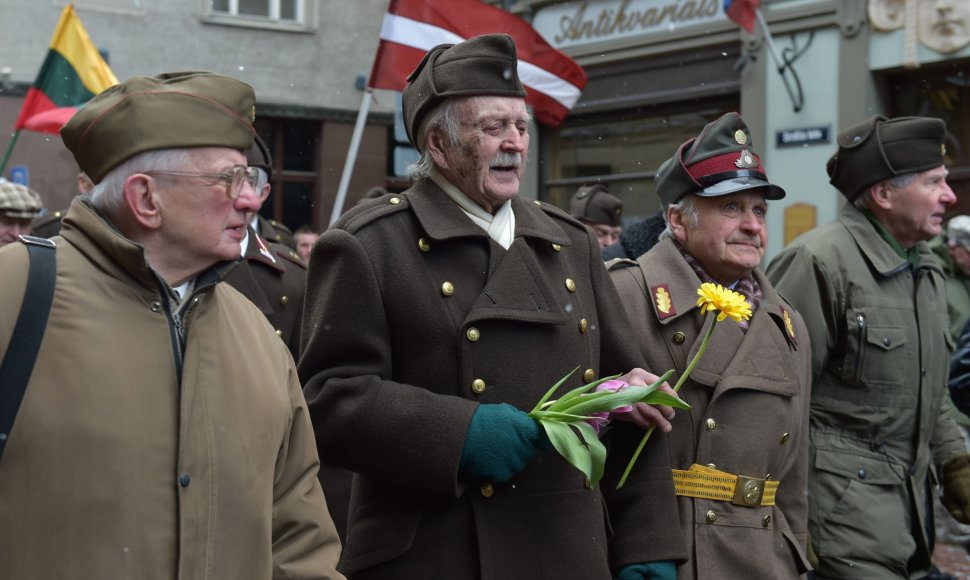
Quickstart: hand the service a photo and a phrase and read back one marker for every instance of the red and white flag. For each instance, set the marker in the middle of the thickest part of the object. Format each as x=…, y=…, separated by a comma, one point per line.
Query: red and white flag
x=553, y=81
x=742, y=12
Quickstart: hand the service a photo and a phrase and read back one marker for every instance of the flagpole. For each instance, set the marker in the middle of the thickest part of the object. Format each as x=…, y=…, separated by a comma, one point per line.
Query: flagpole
x=796, y=102
x=6, y=154
x=338, y=204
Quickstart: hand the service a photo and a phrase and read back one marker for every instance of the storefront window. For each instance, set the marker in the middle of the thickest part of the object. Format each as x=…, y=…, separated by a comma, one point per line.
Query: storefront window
x=623, y=152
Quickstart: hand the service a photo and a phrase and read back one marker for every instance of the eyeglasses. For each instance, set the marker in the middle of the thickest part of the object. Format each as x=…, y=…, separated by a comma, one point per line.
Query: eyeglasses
x=233, y=179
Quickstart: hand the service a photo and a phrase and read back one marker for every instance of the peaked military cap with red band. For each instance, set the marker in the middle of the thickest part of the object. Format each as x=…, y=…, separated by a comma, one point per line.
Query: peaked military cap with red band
x=719, y=161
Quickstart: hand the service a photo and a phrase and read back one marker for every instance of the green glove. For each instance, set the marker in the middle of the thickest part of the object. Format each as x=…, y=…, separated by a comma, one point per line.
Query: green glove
x=956, y=487
x=663, y=570
x=501, y=441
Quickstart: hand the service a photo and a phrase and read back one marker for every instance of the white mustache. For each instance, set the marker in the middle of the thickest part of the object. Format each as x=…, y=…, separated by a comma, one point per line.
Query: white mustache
x=506, y=160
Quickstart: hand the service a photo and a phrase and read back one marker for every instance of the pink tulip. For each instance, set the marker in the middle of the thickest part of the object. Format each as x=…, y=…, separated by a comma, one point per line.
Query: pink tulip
x=599, y=419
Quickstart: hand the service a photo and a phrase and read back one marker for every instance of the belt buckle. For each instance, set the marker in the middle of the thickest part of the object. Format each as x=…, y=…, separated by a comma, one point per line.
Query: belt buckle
x=748, y=491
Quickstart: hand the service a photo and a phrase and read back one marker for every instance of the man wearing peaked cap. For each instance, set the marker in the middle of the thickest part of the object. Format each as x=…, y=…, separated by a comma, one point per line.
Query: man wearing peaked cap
x=873, y=298
x=596, y=207
x=435, y=319
x=714, y=191
x=160, y=399
x=18, y=206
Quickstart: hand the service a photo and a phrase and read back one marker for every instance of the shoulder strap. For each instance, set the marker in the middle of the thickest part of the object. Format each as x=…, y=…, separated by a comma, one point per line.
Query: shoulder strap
x=18, y=362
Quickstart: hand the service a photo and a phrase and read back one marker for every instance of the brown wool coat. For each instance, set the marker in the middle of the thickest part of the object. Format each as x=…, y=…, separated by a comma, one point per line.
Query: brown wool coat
x=273, y=277
x=119, y=467
x=388, y=370
x=755, y=388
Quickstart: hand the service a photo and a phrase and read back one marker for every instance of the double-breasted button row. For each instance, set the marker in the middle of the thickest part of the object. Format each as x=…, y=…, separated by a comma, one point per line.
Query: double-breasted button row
x=478, y=386
x=447, y=288
x=678, y=337
x=589, y=375
x=472, y=334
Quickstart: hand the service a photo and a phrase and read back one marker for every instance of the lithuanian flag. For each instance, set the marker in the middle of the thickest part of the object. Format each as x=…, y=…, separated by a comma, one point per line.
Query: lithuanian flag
x=72, y=74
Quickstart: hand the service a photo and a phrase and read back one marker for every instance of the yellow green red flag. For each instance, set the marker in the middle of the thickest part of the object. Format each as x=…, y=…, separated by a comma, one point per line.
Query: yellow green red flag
x=71, y=75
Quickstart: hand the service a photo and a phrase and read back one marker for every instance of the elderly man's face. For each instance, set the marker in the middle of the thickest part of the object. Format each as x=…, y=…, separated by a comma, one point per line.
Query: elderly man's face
x=915, y=213
x=201, y=224
x=11, y=227
x=490, y=160
x=729, y=237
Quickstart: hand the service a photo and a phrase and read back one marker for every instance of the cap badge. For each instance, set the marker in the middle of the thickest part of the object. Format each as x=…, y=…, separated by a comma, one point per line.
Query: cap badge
x=740, y=137
x=252, y=114
x=661, y=296
x=746, y=160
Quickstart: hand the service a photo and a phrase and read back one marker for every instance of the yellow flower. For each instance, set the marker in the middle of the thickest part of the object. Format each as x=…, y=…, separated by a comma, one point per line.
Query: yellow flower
x=727, y=302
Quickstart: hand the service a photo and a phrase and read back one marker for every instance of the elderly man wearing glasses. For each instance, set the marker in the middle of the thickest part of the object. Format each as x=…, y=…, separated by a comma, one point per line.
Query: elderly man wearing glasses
x=162, y=432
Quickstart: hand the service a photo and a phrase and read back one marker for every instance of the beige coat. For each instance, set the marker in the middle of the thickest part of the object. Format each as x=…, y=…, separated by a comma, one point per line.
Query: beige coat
x=119, y=466
x=749, y=395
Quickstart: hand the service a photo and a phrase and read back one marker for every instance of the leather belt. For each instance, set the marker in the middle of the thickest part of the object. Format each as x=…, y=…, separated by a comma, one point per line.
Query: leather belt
x=707, y=483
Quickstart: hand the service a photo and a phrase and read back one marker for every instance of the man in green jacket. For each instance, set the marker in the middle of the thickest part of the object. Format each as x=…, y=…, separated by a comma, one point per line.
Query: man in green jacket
x=873, y=298
x=953, y=251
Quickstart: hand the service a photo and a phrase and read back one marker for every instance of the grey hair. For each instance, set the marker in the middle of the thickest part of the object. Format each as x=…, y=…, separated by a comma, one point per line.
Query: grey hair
x=687, y=209
x=897, y=181
x=108, y=195
x=445, y=119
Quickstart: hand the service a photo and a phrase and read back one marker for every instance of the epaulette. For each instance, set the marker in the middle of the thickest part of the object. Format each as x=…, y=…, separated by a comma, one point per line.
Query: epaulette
x=280, y=226
x=361, y=215
x=620, y=263
x=287, y=253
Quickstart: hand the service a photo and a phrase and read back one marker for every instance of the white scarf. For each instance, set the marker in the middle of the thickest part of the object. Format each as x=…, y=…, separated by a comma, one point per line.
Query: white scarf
x=500, y=227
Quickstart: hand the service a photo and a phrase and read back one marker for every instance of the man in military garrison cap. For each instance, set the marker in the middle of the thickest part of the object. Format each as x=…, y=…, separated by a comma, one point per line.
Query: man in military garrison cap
x=872, y=295
x=715, y=194
x=163, y=432
x=18, y=206
x=435, y=318
x=602, y=211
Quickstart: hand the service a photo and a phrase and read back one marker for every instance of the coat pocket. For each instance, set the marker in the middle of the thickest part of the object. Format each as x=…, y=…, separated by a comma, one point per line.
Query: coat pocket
x=843, y=488
x=872, y=351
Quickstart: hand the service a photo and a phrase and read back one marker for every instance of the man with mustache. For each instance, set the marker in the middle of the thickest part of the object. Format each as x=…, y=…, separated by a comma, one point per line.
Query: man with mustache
x=435, y=319
x=873, y=298
x=748, y=422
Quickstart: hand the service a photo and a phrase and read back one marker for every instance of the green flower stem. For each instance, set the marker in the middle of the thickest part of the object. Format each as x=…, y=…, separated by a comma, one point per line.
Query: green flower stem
x=680, y=383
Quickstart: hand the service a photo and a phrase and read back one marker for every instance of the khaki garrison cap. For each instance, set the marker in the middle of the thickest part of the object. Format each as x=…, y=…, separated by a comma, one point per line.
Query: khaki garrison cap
x=17, y=201
x=879, y=148
x=480, y=66
x=719, y=161
x=170, y=111
x=594, y=204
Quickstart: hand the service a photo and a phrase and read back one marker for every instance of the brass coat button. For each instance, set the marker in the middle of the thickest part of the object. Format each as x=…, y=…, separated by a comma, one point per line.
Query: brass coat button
x=785, y=438
x=712, y=466
x=570, y=285
x=537, y=202
x=589, y=375
x=447, y=288
x=478, y=386
x=394, y=200
x=472, y=334
x=156, y=306
x=556, y=248
x=424, y=245
x=583, y=325
x=284, y=300
x=711, y=424
x=679, y=337
x=711, y=517
x=488, y=490
x=766, y=522
x=279, y=333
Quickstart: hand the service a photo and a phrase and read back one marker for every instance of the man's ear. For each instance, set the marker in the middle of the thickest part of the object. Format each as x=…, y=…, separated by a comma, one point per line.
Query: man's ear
x=141, y=197
x=677, y=223
x=436, y=145
x=881, y=194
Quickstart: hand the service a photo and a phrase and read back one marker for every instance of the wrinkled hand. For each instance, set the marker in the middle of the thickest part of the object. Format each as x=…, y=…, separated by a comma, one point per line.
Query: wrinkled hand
x=956, y=487
x=644, y=415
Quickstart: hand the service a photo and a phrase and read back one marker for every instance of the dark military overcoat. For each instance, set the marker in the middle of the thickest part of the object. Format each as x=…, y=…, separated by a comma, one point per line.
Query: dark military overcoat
x=413, y=317
x=273, y=277
x=749, y=395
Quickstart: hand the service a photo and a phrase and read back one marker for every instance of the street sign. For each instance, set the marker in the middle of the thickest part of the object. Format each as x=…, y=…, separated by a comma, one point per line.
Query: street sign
x=20, y=174
x=801, y=137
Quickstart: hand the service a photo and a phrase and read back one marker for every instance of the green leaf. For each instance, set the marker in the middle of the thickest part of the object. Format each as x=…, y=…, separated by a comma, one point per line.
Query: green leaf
x=563, y=405
x=661, y=398
x=583, y=389
x=597, y=451
x=557, y=416
x=570, y=446
x=549, y=393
